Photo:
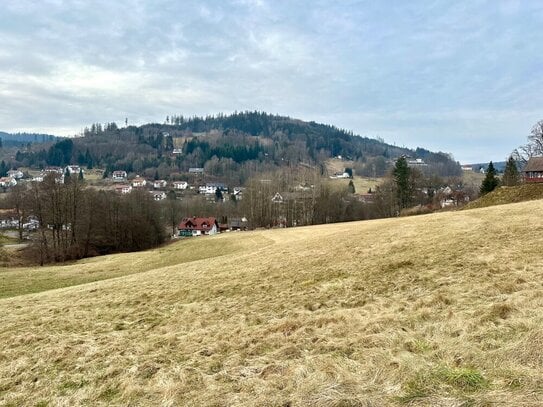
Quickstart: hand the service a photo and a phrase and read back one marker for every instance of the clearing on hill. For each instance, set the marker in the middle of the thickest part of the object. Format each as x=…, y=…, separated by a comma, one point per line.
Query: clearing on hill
x=441, y=310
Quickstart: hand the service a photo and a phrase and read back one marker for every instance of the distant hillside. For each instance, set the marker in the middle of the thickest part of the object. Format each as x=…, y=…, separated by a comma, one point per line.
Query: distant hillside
x=498, y=165
x=507, y=195
x=228, y=146
x=18, y=139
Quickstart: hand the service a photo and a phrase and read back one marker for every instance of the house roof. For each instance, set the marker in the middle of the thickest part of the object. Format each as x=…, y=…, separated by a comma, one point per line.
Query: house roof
x=195, y=223
x=534, y=164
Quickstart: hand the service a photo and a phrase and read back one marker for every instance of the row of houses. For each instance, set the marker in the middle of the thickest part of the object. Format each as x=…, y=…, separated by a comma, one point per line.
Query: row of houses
x=210, y=188
x=120, y=176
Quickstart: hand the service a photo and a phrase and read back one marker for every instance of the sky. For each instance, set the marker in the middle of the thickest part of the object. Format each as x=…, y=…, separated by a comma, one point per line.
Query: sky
x=463, y=77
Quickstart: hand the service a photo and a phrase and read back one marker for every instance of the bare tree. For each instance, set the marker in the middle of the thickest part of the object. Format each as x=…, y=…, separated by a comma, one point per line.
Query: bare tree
x=534, y=147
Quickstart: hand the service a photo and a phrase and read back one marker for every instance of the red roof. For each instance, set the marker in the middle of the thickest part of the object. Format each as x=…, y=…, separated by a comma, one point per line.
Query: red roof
x=203, y=224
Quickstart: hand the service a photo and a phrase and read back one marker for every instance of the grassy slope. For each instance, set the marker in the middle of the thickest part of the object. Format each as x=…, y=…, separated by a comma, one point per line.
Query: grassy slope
x=441, y=309
x=506, y=195
x=27, y=280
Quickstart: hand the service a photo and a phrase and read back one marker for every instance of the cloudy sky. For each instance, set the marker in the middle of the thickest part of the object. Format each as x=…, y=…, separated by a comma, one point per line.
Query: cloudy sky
x=464, y=77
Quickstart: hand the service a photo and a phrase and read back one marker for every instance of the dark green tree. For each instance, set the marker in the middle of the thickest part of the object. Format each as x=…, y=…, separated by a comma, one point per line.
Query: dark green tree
x=350, y=187
x=511, y=175
x=402, y=179
x=218, y=195
x=80, y=174
x=491, y=181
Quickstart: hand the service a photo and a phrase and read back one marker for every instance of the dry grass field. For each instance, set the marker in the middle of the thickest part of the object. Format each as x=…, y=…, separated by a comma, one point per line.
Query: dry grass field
x=361, y=184
x=434, y=310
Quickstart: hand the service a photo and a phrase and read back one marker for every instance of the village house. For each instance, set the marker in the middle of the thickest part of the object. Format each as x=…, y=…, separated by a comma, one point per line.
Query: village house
x=72, y=169
x=196, y=170
x=7, y=182
x=418, y=162
x=138, y=182
x=340, y=175
x=119, y=175
x=237, y=192
x=238, y=224
x=277, y=198
x=53, y=170
x=180, y=185
x=467, y=168
x=211, y=188
x=123, y=189
x=177, y=151
x=16, y=174
x=158, y=196
x=366, y=198
x=533, y=171
x=159, y=184
x=198, y=226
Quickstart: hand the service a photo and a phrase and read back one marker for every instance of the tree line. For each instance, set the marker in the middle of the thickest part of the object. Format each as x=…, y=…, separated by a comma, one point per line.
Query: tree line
x=76, y=221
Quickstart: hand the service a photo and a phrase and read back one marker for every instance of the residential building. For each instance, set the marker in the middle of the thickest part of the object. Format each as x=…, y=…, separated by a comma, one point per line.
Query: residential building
x=123, y=189
x=198, y=226
x=7, y=182
x=138, y=182
x=158, y=196
x=180, y=185
x=159, y=184
x=72, y=169
x=119, y=175
x=16, y=174
x=533, y=171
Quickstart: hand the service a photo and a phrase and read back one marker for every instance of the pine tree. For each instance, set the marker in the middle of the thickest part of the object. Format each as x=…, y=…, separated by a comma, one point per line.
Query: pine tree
x=402, y=179
x=511, y=175
x=218, y=195
x=491, y=181
x=80, y=174
x=350, y=187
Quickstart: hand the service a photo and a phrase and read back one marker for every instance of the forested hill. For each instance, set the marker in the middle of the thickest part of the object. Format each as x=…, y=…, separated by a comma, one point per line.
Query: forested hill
x=9, y=139
x=226, y=144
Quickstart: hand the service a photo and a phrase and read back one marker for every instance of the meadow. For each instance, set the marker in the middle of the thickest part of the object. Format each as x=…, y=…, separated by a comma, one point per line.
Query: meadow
x=442, y=310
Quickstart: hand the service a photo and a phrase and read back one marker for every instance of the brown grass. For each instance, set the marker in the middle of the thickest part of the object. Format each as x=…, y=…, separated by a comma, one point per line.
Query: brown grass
x=361, y=184
x=441, y=310
x=507, y=195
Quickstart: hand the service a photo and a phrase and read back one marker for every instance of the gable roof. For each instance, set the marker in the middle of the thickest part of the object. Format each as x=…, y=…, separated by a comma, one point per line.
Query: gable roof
x=194, y=223
x=534, y=164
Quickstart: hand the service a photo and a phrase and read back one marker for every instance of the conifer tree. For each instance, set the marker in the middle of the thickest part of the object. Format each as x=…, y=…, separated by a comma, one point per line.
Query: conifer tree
x=491, y=181
x=402, y=179
x=511, y=175
x=351, y=188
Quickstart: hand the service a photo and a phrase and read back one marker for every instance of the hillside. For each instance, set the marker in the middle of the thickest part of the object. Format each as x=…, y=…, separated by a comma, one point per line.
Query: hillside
x=441, y=309
x=10, y=139
x=507, y=195
x=231, y=148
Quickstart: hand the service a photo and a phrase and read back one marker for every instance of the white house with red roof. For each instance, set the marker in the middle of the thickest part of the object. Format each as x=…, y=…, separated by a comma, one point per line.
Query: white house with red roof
x=198, y=226
x=138, y=182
